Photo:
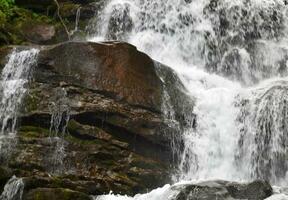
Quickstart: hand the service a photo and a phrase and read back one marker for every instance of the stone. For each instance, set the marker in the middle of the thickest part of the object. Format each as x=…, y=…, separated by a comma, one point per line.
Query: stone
x=38, y=33
x=256, y=190
x=116, y=68
x=117, y=137
x=56, y=194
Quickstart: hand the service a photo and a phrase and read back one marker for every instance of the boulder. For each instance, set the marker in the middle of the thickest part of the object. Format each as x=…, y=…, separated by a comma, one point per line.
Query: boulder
x=117, y=69
x=56, y=194
x=256, y=190
x=38, y=33
x=106, y=105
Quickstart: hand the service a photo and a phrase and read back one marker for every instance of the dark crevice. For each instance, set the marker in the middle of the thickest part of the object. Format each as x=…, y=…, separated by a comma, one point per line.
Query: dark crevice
x=137, y=143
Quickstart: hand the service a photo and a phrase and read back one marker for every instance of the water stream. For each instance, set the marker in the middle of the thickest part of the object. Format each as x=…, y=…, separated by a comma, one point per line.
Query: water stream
x=13, y=87
x=13, y=189
x=232, y=56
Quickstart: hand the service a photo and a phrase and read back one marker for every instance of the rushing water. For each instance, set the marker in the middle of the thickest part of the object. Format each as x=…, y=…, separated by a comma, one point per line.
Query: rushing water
x=13, y=87
x=232, y=57
x=222, y=52
x=13, y=189
x=60, y=116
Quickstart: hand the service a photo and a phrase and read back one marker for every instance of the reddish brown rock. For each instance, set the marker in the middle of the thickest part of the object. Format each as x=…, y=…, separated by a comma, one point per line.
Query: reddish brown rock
x=115, y=68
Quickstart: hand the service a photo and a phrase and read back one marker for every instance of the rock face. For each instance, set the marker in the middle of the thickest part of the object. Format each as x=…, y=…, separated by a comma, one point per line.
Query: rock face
x=117, y=69
x=104, y=102
x=256, y=190
x=38, y=33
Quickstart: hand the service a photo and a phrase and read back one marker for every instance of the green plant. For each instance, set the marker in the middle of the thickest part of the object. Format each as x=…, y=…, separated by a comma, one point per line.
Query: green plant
x=5, y=4
x=5, y=10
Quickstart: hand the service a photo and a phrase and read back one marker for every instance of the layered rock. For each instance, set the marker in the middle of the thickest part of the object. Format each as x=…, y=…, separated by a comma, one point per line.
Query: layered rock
x=108, y=97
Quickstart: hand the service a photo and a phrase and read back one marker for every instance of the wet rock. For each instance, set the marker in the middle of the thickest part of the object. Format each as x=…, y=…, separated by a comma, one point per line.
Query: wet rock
x=117, y=137
x=55, y=193
x=69, y=11
x=5, y=175
x=256, y=190
x=115, y=68
x=38, y=33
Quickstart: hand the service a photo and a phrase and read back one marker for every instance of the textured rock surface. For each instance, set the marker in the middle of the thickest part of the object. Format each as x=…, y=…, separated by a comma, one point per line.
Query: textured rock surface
x=117, y=137
x=256, y=190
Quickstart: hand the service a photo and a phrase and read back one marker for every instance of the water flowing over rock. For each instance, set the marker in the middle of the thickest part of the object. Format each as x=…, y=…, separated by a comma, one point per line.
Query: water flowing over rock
x=14, y=79
x=15, y=75
x=223, y=52
x=203, y=191
x=92, y=122
x=13, y=190
x=103, y=116
x=263, y=142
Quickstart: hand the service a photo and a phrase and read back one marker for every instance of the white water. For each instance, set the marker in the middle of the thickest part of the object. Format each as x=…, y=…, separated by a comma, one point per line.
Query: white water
x=60, y=116
x=14, y=79
x=13, y=189
x=232, y=58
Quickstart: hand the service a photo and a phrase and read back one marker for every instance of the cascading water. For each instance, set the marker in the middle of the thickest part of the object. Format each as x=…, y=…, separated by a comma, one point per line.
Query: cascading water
x=14, y=79
x=60, y=115
x=13, y=189
x=232, y=56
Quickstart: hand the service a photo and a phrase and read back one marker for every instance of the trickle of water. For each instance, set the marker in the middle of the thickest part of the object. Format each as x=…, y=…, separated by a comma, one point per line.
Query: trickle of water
x=13, y=87
x=78, y=14
x=13, y=189
x=60, y=116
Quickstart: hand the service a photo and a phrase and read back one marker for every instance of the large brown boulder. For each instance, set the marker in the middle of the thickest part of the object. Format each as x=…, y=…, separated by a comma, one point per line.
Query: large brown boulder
x=115, y=68
x=117, y=136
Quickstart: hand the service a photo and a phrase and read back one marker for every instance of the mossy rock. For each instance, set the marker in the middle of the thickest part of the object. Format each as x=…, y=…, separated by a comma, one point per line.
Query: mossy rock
x=33, y=132
x=13, y=30
x=69, y=10
x=55, y=194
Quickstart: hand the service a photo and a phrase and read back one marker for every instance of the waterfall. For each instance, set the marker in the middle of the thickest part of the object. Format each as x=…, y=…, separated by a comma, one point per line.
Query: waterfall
x=13, y=189
x=14, y=79
x=60, y=116
x=231, y=55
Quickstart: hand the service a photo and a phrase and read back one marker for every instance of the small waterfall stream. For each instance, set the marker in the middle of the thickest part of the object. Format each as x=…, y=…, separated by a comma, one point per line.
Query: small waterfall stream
x=60, y=115
x=13, y=189
x=14, y=79
x=231, y=55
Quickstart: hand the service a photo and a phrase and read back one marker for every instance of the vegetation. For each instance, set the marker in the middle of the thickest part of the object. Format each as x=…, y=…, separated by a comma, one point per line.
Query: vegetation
x=5, y=10
x=14, y=19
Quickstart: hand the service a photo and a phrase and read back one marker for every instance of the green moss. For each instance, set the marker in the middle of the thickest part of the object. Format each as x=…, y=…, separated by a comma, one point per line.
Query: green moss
x=57, y=194
x=68, y=9
x=14, y=19
x=33, y=132
x=73, y=125
x=81, y=142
